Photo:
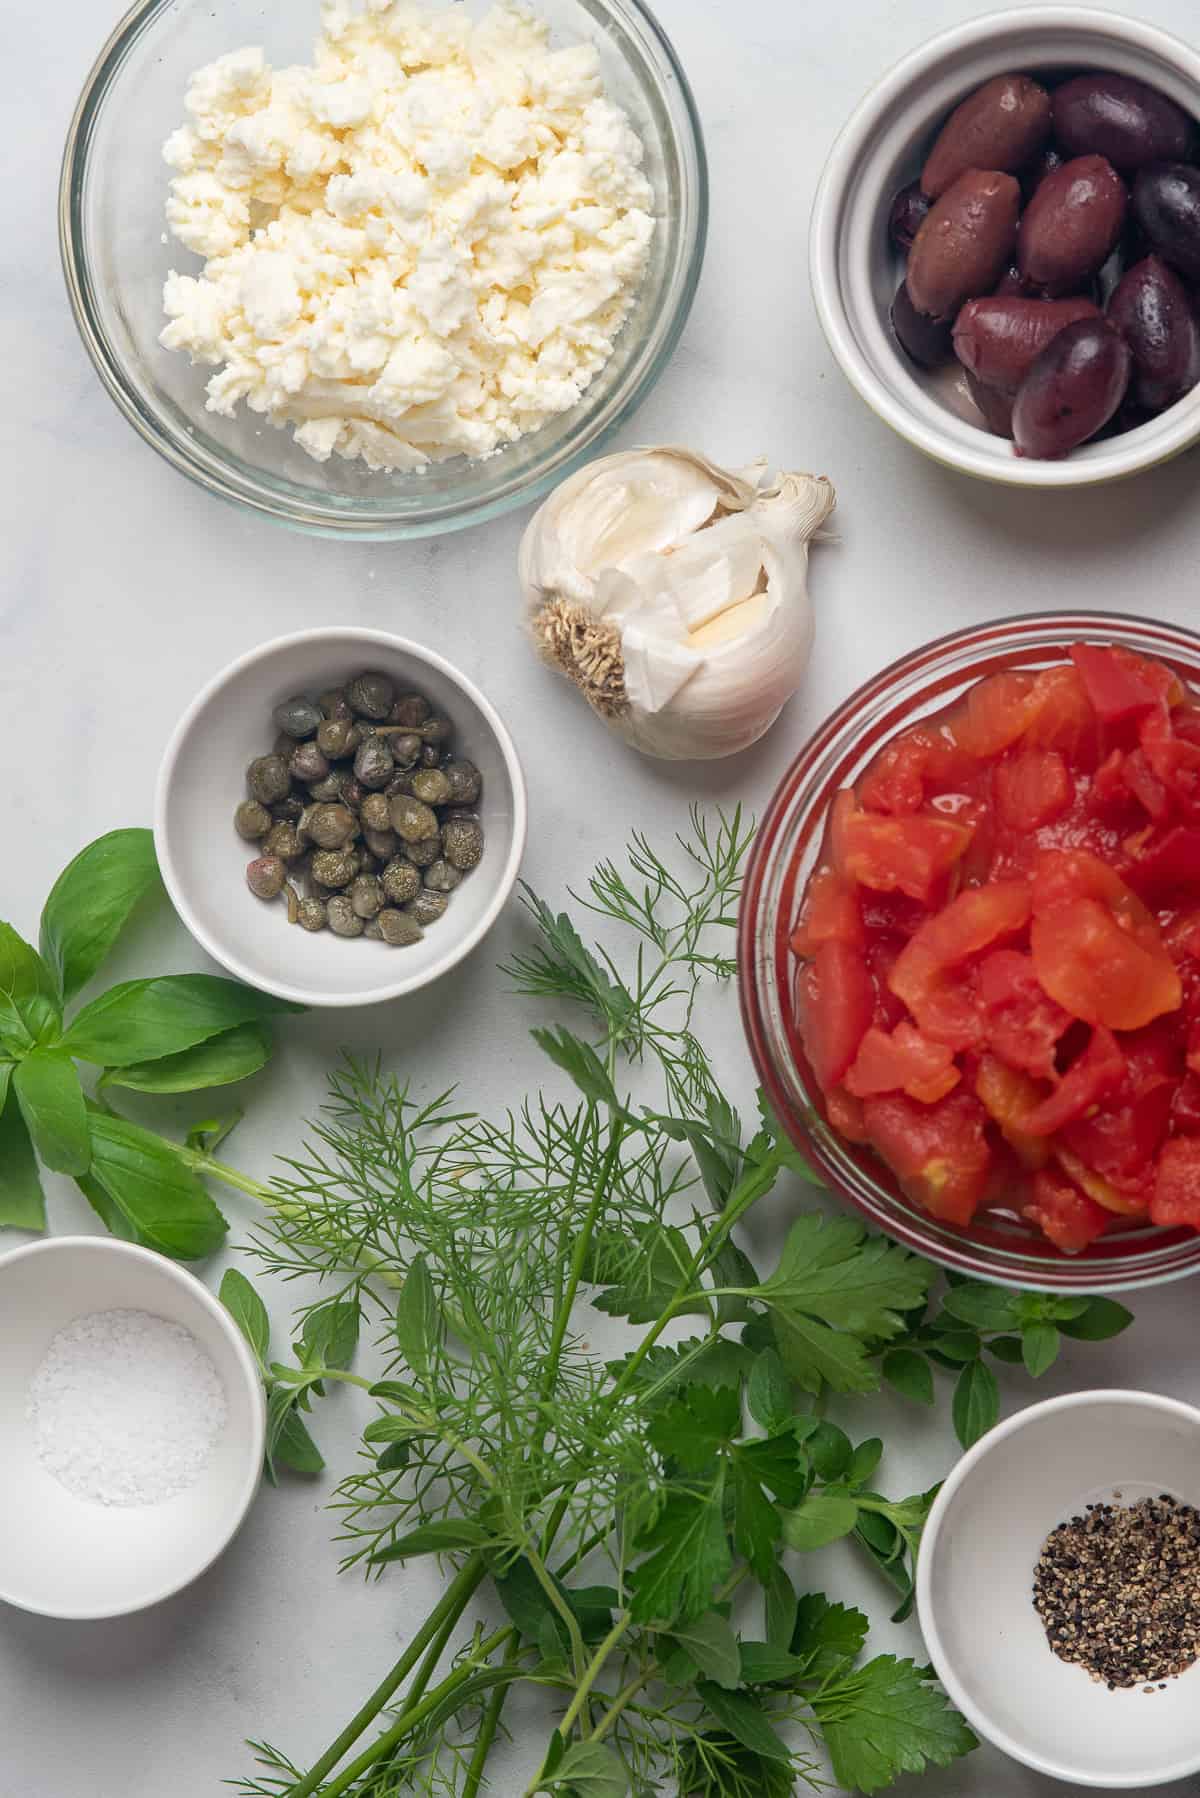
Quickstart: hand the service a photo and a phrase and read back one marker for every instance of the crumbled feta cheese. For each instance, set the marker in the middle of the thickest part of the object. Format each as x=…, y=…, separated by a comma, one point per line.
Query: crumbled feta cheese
x=422, y=246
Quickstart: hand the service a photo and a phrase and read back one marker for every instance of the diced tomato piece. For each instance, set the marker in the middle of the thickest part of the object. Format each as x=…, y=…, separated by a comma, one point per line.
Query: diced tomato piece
x=904, y=1062
x=892, y=914
x=1167, y=862
x=835, y=1000
x=882, y=956
x=1185, y=1106
x=1098, y=1070
x=1121, y=1201
x=1032, y=789
x=832, y=913
x=924, y=758
x=998, y=710
x=1121, y=1138
x=927, y=973
x=1145, y=786
x=1121, y=684
x=905, y=855
x=1064, y=718
x=1174, y=762
x=939, y=1153
x=1067, y=1216
x=1096, y=949
x=1108, y=783
x=1176, y=1197
x=1023, y=1023
x=1009, y=1097
x=845, y=1115
x=844, y=807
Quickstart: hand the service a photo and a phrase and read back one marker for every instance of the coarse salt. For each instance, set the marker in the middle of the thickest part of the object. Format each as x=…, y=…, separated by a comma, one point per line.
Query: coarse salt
x=126, y=1408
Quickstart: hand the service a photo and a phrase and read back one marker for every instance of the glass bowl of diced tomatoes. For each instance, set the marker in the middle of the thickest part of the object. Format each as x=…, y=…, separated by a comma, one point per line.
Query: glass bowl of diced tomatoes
x=970, y=951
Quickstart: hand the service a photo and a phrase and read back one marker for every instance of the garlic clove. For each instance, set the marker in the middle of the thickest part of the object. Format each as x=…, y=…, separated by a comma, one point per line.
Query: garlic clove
x=655, y=672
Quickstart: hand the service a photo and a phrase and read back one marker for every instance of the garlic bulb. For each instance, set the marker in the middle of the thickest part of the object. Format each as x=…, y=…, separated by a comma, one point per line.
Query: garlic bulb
x=674, y=594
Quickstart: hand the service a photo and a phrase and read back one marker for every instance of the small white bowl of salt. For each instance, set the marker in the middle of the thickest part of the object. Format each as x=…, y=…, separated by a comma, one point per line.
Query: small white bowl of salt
x=132, y=1426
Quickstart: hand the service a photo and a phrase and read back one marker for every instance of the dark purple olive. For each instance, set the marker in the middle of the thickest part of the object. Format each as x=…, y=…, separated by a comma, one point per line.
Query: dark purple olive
x=1072, y=390
x=926, y=340
x=1071, y=225
x=909, y=211
x=1153, y=313
x=996, y=406
x=1124, y=120
x=1002, y=125
x=965, y=244
x=1166, y=206
x=998, y=339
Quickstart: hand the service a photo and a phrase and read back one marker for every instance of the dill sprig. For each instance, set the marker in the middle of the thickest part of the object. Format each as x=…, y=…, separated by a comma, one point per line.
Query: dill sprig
x=622, y=1508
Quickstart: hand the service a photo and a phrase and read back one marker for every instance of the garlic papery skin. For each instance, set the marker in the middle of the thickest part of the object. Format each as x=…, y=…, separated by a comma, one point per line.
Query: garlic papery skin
x=674, y=594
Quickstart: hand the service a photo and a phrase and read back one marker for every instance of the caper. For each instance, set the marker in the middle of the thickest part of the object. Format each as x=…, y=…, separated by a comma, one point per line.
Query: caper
x=268, y=779
x=353, y=793
x=334, y=867
x=406, y=748
x=338, y=738
x=327, y=790
x=375, y=813
x=466, y=782
x=398, y=929
x=371, y=695
x=424, y=853
x=436, y=730
x=331, y=826
x=265, y=877
x=431, y=785
x=399, y=783
x=308, y=763
x=283, y=840
x=311, y=915
x=251, y=820
x=412, y=820
x=343, y=919
x=373, y=765
x=410, y=709
x=383, y=843
x=297, y=717
x=334, y=704
x=440, y=877
x=462, y=843
x=431, y=756
x=372, y=929
x=283, y=745
x=401, y=881
x=427, y=907
x=368, y=895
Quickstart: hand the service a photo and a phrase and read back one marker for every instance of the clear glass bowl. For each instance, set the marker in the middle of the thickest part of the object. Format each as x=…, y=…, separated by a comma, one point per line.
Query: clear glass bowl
x=996, y=1247
x=116, y=256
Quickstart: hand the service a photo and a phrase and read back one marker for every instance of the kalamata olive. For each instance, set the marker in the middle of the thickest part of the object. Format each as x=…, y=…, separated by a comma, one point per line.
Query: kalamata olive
x=963, y=247
x=1002, y=125
x=1072, y=389
x=997, y=339
x=995, y=406
x=1071, y=224
x=909, y=211
x=1166, y=206
x=926, y=340
x=1154, y=314
x=1122, y=119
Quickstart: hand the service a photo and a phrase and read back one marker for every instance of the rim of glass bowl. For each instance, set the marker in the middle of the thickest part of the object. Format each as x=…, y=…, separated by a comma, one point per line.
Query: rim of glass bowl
x=786, y=845
x=234, y=481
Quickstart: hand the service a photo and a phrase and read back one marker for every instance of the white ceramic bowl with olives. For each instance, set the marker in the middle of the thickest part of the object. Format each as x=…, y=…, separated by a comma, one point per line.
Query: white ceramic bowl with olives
x=249, y=895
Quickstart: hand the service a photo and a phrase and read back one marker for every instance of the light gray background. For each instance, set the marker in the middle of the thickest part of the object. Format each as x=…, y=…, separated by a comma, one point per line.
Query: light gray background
x=124, y=588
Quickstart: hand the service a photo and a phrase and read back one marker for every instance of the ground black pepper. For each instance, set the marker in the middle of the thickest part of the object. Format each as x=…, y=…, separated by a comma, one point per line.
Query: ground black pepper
x=1118, y=1591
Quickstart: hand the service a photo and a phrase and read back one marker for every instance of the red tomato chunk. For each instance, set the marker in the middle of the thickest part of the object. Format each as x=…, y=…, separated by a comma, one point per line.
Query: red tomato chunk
x=998, y=979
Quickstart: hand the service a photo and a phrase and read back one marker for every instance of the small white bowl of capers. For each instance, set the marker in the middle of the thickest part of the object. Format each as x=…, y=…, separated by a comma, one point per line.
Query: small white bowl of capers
x=340, y=817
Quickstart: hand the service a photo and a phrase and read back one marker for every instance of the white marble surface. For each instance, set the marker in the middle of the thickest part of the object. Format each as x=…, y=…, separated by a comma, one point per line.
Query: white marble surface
x=124, y=588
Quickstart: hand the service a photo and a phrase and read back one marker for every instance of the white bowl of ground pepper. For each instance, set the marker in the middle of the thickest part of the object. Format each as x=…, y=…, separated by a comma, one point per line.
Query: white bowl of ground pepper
x=1059, y=1588
x=132, y=1425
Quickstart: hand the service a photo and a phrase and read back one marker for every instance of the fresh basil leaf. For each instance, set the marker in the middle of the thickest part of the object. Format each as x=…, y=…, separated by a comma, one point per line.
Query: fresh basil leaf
x=1102, y=1319
x=976, y=1404
x=395, y=1458
x=910, y=1374
x=248, y=1312
x=590, y=1770
x=829, y=1450
x=162, y=1200
x=864, y=1461
x=222, y=1060
x=52, y=1104
x=91, y=902
x=330, y=1333
x=1040, y=1343
x=143, y=1020
x=984, y=1307
x=110, y=1215
x=769, y=1392
x=295, y=1448
x=29, y=1006
x=419, y=1325
x=711, y=1643
x=393, y=1428
x=744, y=1719
x=22, y=1202
x=443, y=1537
x=1007, y=1349
x=824, y=1517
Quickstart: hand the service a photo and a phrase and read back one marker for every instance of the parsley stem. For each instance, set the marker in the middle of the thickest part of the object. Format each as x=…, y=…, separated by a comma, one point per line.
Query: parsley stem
x=450, y=1607
x=488, y=1727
